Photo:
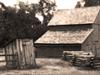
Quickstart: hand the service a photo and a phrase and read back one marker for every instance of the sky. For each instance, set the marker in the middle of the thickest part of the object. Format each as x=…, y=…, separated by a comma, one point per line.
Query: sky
x=9, y=2
x=13, y=2
x=61, y=4
x=66, y=4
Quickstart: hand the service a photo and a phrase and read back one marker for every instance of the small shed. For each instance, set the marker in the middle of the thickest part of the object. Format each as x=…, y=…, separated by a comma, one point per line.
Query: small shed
x=71, y=30
x=19, y=53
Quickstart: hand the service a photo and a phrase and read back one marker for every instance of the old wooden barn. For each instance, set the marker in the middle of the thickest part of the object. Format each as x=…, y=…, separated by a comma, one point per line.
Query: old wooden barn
x=72, y=30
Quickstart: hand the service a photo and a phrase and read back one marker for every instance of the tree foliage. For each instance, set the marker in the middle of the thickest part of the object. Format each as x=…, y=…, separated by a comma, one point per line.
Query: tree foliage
x=22, y=23
x=47, y=8
x=92, y=3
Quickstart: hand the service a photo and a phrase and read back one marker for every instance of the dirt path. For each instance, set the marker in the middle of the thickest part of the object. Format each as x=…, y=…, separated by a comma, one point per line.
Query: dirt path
x=51, y=67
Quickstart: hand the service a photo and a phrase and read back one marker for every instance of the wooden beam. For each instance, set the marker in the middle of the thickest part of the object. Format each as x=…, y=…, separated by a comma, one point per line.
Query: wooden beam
x=18, y=49
x=6, y=57
x=2, y=60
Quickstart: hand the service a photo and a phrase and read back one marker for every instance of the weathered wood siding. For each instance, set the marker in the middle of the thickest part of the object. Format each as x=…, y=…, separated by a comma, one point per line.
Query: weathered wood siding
x=11, y=55
x=28, y=52
x=96, y=34
x=87, y=45
x=21, y=53
x=96, y=39
x=92, y=43
x=55, y=51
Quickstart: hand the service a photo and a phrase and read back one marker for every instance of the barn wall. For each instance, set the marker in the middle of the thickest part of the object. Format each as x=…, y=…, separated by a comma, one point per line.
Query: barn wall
x=92, y=43
x=87, y=45
x=54, y=51
x=96, y=35
x=97, y=21
x=96, y=39
x=98, y=50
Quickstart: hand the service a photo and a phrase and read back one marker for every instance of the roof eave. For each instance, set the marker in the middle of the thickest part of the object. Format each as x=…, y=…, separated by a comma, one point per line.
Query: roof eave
x=55, y=44
x=70, y=24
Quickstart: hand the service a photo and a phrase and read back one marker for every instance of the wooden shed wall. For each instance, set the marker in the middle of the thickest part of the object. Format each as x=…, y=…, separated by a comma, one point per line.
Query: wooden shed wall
x=11, y=55
x=24, y=52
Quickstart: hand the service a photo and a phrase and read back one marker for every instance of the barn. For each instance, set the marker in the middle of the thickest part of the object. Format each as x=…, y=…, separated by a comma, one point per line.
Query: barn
x=71, y=30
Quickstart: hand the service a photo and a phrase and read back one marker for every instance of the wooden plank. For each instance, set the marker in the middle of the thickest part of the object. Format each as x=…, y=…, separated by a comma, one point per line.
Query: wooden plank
x=8, y=55
x=15, y=52
x=12, y=61
x=24, y=52
x=27, y=53
x=33, y=61
x=30, y=56
x=18, y=50
x=9, y=52
x=13, y=48
x=2, y=60
x=14, y=58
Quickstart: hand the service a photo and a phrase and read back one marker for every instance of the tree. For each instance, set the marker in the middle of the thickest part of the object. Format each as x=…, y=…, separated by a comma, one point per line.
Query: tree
x=92, y=3
x=47, y=7
x=87, y=3
x=21, y=23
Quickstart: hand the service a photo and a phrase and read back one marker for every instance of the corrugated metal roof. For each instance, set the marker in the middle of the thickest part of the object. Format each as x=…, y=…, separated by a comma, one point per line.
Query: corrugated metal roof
x=75, y=16
x=64, y=37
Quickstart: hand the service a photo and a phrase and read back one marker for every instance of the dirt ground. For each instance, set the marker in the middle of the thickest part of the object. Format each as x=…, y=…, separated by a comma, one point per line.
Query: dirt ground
x=52, y=67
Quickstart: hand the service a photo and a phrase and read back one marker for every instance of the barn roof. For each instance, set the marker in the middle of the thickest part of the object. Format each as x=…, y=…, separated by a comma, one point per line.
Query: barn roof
x=64, y=37
x=75, y=16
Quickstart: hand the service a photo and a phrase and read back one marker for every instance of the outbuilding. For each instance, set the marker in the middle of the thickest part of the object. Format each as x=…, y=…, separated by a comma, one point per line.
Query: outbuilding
x=71, y=30
x=19, y=53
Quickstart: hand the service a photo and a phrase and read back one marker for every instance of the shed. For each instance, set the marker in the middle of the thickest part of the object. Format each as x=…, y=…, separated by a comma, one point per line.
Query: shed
x=71, y=30
x=19, y=53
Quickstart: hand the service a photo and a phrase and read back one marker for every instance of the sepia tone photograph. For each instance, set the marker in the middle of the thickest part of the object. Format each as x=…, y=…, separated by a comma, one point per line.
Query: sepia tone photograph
x=49, y=37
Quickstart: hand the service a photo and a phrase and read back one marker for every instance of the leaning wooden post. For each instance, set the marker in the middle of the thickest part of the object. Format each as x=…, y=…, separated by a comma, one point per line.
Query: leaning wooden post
x=18, y=53
x=33, y=55
x=6, y=57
